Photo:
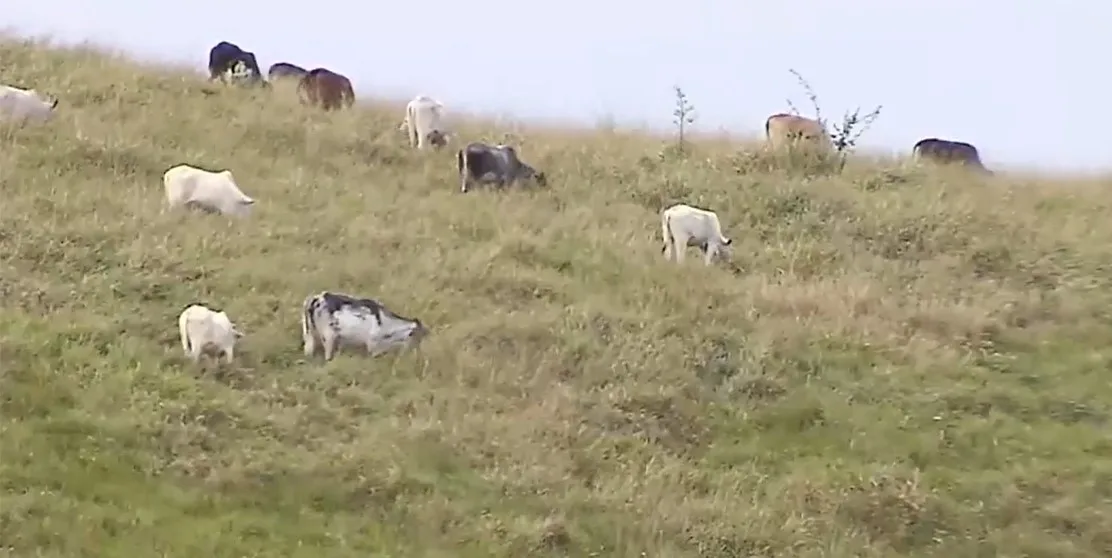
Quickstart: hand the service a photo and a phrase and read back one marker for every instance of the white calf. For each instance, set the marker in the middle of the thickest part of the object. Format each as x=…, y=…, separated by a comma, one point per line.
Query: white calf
x=23, y=105
x=205, y=331
x=685, y=226
x=212, y=191
x=423, y=123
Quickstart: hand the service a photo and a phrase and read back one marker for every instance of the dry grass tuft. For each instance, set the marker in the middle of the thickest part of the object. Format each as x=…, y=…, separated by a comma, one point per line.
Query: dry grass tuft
x=902, y=362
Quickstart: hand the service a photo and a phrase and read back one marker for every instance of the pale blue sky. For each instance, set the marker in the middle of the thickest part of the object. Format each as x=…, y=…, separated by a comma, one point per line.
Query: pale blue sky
x=1027, y=82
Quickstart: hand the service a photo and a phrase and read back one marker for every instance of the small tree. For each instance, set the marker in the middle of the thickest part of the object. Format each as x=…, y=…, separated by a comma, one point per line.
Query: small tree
x=846, y=134
x=683, y=116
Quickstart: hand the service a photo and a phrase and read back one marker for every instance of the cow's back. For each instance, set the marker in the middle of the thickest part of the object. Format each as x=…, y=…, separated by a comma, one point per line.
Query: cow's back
x=283, y=70
x=946, y=151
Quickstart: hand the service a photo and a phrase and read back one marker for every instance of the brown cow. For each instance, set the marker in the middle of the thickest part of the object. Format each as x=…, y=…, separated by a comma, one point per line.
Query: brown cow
x=948, y=152
x=326, y=89
x=782, y=129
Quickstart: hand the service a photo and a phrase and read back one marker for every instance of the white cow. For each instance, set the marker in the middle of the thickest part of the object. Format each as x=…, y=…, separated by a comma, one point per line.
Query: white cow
x=423, y=123
x=205, y=331
x=211, y=191
x=23, y=105
x=685, y=226
x=329, y=320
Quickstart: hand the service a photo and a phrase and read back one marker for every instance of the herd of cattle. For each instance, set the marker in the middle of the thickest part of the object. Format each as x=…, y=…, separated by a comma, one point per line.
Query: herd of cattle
x=331, y=320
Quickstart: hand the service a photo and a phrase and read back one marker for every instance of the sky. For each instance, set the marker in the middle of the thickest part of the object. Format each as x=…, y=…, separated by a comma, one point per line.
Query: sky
x=1022, y=82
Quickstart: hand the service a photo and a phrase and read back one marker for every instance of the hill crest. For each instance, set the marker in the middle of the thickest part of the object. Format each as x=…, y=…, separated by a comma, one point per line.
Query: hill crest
x=901, y=362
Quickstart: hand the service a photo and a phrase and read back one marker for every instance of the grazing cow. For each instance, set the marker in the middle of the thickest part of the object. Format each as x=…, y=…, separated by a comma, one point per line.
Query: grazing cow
x=206, y=331
x=23, y=105
x=946, y=152
x=685, y=226
x=332, y=320
x=228, y=62
x=786, y=129
x=284, y=70
x=325, y=88
x=211, y=191
x=482, y=163
x=423, y=123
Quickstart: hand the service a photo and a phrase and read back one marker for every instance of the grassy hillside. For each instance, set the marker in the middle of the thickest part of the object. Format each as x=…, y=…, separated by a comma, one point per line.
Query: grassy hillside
x=900, y=363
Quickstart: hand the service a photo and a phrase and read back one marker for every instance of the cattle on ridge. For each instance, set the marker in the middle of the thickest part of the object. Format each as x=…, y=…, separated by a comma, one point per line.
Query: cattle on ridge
x=228, y=62
x=326, y=89
x=481, y=163
x=188, y=186
x=783, y=130
x=949, y=152
x=25, y=105
x=423, y=123
x=331, y=320
x=683, y=225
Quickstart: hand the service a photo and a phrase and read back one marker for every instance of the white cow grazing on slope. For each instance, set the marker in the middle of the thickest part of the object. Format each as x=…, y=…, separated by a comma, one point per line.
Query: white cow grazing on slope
x=424, y=124
x=205, y=331
x=212, y=191
x=23, y=105
x=685, y=226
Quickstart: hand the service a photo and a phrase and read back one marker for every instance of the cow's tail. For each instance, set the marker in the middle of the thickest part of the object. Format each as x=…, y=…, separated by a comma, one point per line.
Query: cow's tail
x=183, y=330
x=718, y=229
x=768, y=127
x=461, y=160
x=349, y=95
x=666, y=229
x=309, y=324
x=917, y=150
x=411, y=119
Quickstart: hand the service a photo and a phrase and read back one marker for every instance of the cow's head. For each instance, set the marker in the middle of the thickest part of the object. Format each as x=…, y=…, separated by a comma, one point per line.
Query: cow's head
x=417, y=334
x=529, y=173
x=437, y=138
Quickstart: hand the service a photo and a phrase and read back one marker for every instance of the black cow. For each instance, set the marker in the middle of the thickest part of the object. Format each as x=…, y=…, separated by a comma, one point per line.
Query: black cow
x=282, y=70
x=947, y=152
x=482, y=163
x=227, y=57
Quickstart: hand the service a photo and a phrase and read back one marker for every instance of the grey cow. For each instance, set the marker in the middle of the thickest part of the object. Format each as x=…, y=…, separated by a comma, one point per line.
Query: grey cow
x=499, y=164
x=949, y=152
x=284, y=70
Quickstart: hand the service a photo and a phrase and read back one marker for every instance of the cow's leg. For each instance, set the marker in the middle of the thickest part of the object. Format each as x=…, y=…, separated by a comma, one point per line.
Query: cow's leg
x=709, y=251
x=229, y=354
x=195, y=351
x=679, y=246
x=331, y=341
x=310, y=341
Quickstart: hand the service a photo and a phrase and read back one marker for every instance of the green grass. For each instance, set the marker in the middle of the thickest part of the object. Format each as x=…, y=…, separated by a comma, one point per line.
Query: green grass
x=901, y=361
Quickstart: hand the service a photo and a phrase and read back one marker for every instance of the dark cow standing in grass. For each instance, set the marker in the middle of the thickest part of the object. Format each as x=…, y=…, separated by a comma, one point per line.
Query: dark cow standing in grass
x=285, y=70
x=225, y=56
x=499, y=164
x=947, y=152
x=326, y=89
